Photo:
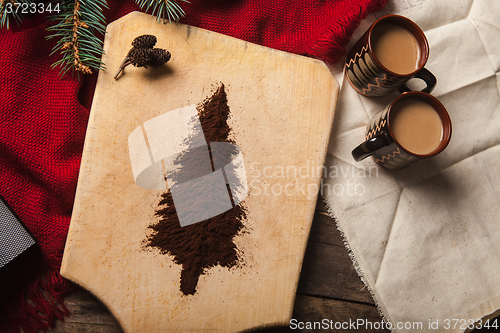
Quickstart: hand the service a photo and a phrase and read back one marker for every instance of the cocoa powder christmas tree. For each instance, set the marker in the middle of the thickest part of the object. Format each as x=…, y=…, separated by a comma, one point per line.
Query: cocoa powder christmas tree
x=209, y=243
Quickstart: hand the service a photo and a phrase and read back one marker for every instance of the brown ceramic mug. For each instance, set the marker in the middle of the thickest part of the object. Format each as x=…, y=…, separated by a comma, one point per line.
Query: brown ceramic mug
x=391, y=52
x=413, y=127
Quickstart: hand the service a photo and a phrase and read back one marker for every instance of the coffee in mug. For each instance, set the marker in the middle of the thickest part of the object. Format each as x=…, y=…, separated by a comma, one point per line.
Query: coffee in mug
x=413, y=127
x=417, y=126
x=391, y=52
x=396, y=48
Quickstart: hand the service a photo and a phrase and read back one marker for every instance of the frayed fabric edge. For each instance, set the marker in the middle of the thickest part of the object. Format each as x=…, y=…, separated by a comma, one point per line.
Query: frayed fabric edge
x=331, y=46
x=38, y=305
x=357, y=267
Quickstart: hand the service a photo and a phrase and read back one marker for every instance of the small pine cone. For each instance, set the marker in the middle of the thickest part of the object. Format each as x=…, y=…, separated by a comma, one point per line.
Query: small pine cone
x=159, y=57
x=144, y=41
x=140, y=57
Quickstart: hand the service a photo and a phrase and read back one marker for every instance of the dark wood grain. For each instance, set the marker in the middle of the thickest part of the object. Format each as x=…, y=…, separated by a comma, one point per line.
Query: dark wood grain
x=321, y=206
x=88, y=314
x=329, y=291
x=324, y=230
x=336, y=315
x=327, y=270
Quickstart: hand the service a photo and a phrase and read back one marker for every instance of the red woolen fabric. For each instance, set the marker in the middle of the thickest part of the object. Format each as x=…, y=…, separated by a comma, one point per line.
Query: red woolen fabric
x=43, y=120
x=320, y=29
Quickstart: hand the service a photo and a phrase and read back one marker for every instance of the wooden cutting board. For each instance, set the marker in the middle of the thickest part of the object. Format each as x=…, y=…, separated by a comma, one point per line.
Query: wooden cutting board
x=282, y=107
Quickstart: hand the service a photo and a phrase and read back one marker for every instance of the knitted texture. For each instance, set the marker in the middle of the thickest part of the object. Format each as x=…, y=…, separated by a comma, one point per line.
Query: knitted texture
x=43, y=121
x=320, y=29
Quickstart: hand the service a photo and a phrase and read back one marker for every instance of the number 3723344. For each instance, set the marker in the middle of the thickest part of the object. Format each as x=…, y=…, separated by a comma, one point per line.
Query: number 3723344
x=31, y=8
x=471, y=324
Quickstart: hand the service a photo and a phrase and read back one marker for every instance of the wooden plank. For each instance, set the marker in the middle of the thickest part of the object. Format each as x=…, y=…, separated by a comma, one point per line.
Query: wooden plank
x=79, y=327
x=327, y=270
x=335, y=316
x=320, y=205
x=281, y=112
x=88, y=314
x=324, y=230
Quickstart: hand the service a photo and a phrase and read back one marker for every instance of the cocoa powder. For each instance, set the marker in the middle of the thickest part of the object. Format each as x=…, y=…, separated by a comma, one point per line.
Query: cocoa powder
x=200, y=246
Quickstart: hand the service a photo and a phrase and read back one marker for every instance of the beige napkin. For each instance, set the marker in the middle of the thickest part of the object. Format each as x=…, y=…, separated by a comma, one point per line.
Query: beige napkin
x=426, y=240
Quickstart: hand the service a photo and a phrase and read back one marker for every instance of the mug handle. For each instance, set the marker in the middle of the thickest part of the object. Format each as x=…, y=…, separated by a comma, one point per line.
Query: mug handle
x=370, y=146
x=424, y=74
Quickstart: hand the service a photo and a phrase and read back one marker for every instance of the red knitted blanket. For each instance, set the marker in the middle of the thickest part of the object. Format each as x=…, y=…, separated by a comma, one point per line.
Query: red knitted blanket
x=43, y=120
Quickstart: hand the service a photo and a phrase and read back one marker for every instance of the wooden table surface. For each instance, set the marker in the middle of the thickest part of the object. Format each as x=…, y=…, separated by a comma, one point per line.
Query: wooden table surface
x=329, y=288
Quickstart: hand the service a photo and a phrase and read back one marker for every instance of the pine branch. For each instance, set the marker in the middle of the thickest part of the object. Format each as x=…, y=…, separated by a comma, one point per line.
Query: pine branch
x=163, y=9
x=77, y=25
x=12, y=10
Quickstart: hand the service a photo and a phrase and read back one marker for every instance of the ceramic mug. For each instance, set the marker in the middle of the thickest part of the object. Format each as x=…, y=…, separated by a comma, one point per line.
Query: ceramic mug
x=391, y=52
x=413, y=127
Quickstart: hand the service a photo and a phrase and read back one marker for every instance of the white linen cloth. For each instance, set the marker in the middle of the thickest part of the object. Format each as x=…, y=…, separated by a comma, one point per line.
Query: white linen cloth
x=426, y=239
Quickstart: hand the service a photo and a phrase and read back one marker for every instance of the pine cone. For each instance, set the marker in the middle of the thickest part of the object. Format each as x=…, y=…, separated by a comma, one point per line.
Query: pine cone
x=144, y=41
x=159, y=57
x=140, y=57
x=143, y=54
